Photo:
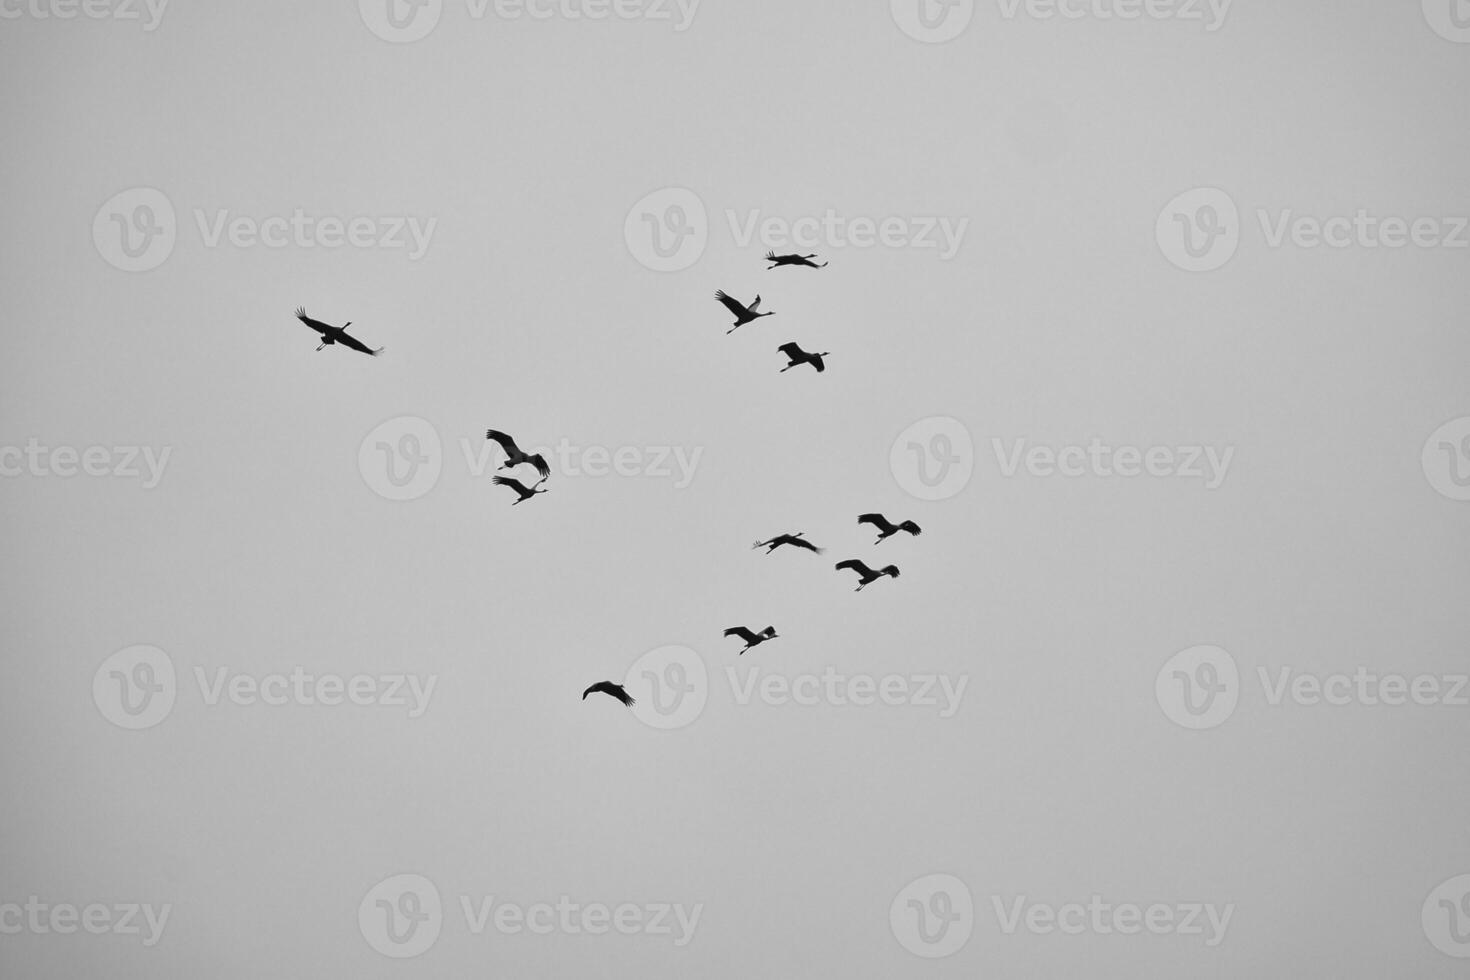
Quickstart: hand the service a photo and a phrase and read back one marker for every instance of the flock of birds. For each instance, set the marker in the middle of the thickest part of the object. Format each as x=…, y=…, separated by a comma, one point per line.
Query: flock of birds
x=795, y=356
x=516, y=457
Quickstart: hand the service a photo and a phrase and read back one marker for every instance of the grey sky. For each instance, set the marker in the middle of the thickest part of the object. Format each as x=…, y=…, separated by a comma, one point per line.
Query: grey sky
x=1056, y=600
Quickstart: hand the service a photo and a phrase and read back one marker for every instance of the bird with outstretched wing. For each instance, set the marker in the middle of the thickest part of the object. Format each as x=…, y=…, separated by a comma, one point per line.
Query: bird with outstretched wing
x=612, y=690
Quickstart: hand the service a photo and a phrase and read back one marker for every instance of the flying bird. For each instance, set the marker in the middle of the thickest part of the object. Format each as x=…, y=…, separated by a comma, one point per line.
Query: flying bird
x=335, y=335
x=866, y=575
x=886, y=528
x=743, y=314
x=781, y=260
x=751, y=639
x=525, y=492
x=513, y=455
x=797, y=357
x=611, y=690
x=795, y=540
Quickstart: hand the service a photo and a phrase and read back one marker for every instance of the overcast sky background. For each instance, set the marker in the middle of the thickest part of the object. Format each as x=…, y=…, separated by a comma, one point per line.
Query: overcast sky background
x=263, y=547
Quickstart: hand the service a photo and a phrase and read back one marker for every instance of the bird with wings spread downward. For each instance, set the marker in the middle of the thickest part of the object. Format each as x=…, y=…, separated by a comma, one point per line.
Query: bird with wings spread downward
x=514, y=456
x=611, y=690
x=798, y=357
x=335, y=335
x=866, y=576
x=886, y=528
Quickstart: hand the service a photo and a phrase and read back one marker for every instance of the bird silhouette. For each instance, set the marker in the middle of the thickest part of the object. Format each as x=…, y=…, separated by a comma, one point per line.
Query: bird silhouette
x=886, y=528
x=525, y=492
x=513, y=455
x=797, y=357
x=781, y=260
x=795, y=540
x=743, y=314
x=611, y=690
x=335, y=335
x=866, y=575
x=751, y=639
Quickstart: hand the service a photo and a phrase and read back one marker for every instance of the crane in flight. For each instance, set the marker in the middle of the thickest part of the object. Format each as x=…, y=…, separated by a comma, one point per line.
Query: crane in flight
x=751, y=639
x=795, y=540
x=513, y=455
x=886, y=528
x=335, y=335
x=797, y=357
x=611, y=690
x=866, y=576
x=524, y=493
x=743, y=314
x=780, y=260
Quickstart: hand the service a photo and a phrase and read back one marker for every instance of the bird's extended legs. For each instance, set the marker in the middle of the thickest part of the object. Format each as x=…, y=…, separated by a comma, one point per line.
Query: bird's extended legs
x=320, y=346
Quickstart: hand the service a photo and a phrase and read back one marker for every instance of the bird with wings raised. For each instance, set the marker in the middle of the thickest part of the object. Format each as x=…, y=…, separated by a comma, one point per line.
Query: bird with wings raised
x=335, y=335
x=514, y=456
x=886, y=528
x=796, y=540
x=798, y=357
x=751, y=639
x=523, y=492
x=612, y=690
x=743, y=314
x=866, y=576
x=780, y=260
